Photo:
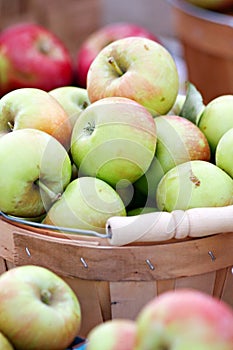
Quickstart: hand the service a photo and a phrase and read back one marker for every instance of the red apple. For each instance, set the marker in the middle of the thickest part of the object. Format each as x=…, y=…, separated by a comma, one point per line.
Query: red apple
x=137, y=68
x=32, y=56
x=113, y=334
x=101, y=38
x=185, y=319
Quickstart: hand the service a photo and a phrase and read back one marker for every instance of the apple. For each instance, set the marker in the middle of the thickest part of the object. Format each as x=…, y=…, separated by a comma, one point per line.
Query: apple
x=224, y=153
x=194, y=184
x=114, y=139
x=34, y=169
x=178, y=141
x=185, y=319
x=33, y=56
x=73, y=99
x=4, y=343
x=137, y=68
x=113, y=334
x=38, y=309
x=102, y=37
x=86, y=203
x=217, y=5
x=34, y=108
x=216, y=119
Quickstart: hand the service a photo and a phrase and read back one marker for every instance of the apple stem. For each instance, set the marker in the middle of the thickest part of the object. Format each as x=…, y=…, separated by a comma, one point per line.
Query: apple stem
x=53, y=196
x=114, y=64
x=11, y=126
x=45, y=296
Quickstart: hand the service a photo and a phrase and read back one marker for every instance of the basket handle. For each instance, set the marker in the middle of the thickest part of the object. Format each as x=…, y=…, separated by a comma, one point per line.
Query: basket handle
x=162, y=226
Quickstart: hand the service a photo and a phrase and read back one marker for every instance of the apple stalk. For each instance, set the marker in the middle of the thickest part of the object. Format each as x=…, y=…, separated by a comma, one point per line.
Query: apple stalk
x=116, y=67
x=52, y=196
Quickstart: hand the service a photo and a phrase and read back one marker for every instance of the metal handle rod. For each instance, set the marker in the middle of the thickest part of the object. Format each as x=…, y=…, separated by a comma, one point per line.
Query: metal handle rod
x=55, y=228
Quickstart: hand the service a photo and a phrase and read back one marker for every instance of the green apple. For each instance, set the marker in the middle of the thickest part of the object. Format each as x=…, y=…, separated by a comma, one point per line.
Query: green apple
x=4, y=343
x=216, y=119
x=178, y=141
x=224, y=153
x=34, y=108
x=38, y=309
x=184, y=319
x=113, y=334
x=139, y=211
x=34, y=169
x=194, y=184
x=114, y=139
x=138, y=68
x=86, y=203
x=73, y=100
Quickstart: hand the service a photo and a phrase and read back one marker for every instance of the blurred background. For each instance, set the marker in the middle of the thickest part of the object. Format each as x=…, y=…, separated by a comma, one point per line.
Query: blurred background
x=201, y=41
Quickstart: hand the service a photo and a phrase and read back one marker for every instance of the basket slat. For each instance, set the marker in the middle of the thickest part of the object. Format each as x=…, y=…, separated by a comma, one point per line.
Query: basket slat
x=113, y=264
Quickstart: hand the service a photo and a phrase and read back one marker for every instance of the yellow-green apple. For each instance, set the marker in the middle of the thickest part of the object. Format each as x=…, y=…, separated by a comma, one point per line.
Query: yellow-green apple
x=102, y=37
x=138, y=68
x=73, y=100
x=38, y=309
x=213, y=4
x=34, y=169
x=194, y=184
x=216, y=119
x=185, y=319
x=114, y=139
x=4, y=343
x=113, y=334
x=34, y=108
x=86, y=203
x=33, y=56
x=178, y=141
x=224, y=153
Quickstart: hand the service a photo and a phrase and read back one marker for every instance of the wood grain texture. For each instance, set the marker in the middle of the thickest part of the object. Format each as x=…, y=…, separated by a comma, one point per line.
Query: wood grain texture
x=130, y=263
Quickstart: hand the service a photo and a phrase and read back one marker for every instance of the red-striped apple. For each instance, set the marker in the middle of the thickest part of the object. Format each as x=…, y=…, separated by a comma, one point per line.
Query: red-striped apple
x=137, y=68
x=185, y=319
x=34, y=108
x=38, y=309
x=102, y=37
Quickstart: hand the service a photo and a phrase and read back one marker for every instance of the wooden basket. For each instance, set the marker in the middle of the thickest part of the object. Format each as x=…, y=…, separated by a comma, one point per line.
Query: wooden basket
x=112, y=281
x=71, y=20
x=206, y=38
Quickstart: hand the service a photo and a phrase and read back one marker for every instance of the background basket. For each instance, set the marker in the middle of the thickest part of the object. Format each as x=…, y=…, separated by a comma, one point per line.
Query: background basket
x=207, y=40
x=71, y=20
x=113, y=282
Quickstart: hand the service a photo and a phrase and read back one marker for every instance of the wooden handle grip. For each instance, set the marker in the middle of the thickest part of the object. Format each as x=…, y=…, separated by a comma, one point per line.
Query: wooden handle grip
x=161, y=226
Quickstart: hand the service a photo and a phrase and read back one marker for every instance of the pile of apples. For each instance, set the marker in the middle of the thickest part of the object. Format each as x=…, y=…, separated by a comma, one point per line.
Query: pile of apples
x=126, y=144
x=38, y=310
